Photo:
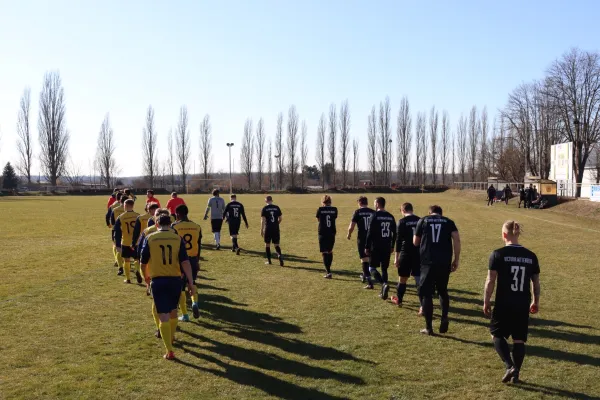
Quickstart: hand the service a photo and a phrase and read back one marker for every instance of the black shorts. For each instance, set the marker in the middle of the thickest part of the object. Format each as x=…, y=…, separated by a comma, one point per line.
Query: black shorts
x=234, y=228
x=360, y=244
x=166, y=291
x=410, y=265
x=112, y=235
x=380, y=258
x=510, y=321
x=195, y=263
x=216, y=225
x=326, y=243
x=128, y=252
x=272, y=236
x=432, y=277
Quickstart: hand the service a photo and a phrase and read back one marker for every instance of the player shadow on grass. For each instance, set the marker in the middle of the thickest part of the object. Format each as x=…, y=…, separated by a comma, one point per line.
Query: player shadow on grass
x=287, y=257
x=250, y=377
x=550, y=391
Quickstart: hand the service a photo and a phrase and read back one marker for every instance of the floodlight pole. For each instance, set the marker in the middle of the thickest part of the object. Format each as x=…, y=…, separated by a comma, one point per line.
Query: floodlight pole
x=230, y=145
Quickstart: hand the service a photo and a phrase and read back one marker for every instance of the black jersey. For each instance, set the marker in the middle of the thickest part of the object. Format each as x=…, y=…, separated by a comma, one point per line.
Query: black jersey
x=327, y=216
x=522, y=194
x=362, y=219
x=435, y=232
x=404, y=238
x=234, y=212
x=515, y=266
x=382, y=232
x=271, y=213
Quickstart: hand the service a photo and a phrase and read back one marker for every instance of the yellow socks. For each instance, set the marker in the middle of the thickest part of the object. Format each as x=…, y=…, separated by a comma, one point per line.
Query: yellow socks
x=138, y=267
x=195, y=297
x=183, y=303
x=165, y=332
x=155, y=315
x=115, y=254
x=127, y=268
x=173, y=323
x=119, y=260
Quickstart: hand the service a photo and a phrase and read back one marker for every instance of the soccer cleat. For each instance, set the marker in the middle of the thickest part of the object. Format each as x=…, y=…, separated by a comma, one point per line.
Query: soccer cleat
x=268, y=262
x=280, y=260
x=138, y=276
x=385, y=289
x=233, y=249
x=515, y=378
x=184, y=318
x=444, y=326
x=428, y=332
x=396, y=301
x=127, y=281
x=327, y=276
x=157, y=334
x=169, y=356
x=218, y=247
x=369, y=286
x=420, y=313
x=363, y=279
x=195, y=310
x=237, y=251
x=510, y=373
x=116, y=264
x=120, y=272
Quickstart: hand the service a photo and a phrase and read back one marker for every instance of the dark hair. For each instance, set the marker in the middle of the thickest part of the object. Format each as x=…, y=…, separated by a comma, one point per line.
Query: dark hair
x=182, y=210
x=152, y=206
x=363, y=201
x=215, y=192
x=233, y=196
x=407, y=207
x=119, y=195
x=269, y=198
x=150, y=192
x=164, y=220
x=435, y=210
x=124, y=198
x=174, y=194
x=127, y=191
x=326, y=199
x=115, y=190
x=129, y=202
x=380, y=202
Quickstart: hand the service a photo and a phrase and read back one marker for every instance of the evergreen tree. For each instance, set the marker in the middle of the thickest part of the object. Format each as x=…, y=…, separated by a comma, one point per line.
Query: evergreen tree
x=10, y=180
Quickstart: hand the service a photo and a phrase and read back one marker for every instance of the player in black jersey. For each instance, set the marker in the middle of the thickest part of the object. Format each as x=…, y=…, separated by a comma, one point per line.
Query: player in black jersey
x=437, y=238
x=269, y=228
x=516, y=269
x=326, y=215
x=233, y=214
x=362, y=219
x=379, y=245
x=407, y=258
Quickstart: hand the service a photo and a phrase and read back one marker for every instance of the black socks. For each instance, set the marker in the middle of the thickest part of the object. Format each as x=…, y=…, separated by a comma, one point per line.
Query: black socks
x=428, y=312
x=501, y=346
x=518, y=354
x=278, y=250
x=268, y=251
x=401, y=289
x=327, y=261
x=235, y=243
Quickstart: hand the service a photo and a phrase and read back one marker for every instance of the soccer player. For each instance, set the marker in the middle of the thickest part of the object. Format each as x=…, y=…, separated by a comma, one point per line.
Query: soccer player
x=271, y=218
x=491, y=192
x=362, y=218
x=326, y=216
x=406, y=259
x=116, y=210
x=191, y=234
x=507, y=194
x=516, y=270
x=163, y=259
x=112, y=199
x=124, y=227
x=129, y=195
x=437, y=238
x=233, y=214
x=174, y=202
x=140, y=226
x=151, y=199
x=116, y=203
x=522, y=197
x=379, y=245
x=216, y=206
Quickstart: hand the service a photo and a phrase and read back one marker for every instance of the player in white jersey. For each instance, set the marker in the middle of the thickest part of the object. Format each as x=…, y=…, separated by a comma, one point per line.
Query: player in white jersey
x=216, y=206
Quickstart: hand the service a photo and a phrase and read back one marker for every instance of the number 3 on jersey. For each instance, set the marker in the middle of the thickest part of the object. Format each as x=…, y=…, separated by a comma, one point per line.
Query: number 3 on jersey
x=518, y=282
x=385, y=229
x=272, y=216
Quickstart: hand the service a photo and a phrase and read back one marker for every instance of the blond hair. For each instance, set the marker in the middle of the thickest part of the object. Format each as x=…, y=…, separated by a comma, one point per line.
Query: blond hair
x=326, y=200
x=513, y=228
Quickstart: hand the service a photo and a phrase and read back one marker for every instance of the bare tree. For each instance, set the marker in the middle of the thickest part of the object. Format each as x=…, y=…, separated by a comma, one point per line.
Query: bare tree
x=355, y=162
x=404, y=140
x=73, y=173
x=433, y=137
x=205, y=146
x=270, y=165
x=332, y=139
x=372, y=144
x=385, y=139
x=53, y=134
x=149, y=149
x=453, y=158
x=280, y=156
x=445, y=146
x=303, y=152
x=25, y=143
x=420, y=162
x=483, y=150
x=320, y=156
x=344, y=139
x=170, y=163
x=260, y=151
x=183, y=147
x=247, y=152
x=462, y=146
x=473, y=142
x=105, y=154
x=292, y=143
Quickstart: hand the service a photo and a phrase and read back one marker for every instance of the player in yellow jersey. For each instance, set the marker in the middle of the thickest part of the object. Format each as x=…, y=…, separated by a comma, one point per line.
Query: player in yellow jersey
x=191, y=233
x=116, y=203
x=163, y=258
x=114, y=214
x=124, y=227
x=140, y=226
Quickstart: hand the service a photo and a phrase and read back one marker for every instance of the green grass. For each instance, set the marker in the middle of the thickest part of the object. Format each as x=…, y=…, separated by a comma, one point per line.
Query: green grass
x=72, y=329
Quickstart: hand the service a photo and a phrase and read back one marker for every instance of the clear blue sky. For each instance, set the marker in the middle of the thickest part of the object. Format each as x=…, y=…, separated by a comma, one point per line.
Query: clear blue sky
x=240, y=59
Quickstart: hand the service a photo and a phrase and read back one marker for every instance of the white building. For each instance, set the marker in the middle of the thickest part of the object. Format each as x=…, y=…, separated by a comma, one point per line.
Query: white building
x=561, y=170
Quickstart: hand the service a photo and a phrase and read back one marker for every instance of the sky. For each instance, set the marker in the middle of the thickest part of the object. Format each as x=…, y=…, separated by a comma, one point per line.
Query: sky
x=240, y=59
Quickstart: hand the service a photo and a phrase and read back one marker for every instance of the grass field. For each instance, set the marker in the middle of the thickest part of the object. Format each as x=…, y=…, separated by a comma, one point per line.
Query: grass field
x=71, y=329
